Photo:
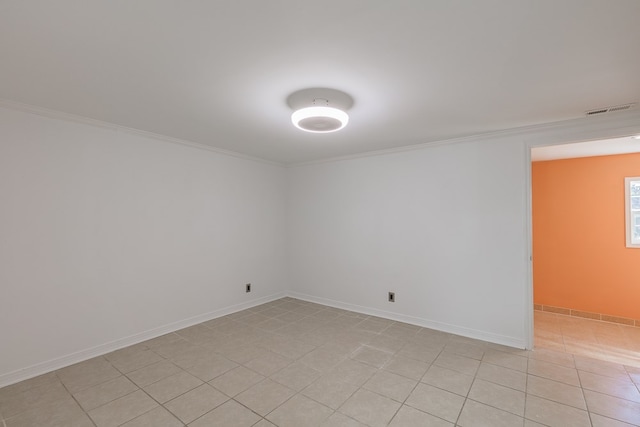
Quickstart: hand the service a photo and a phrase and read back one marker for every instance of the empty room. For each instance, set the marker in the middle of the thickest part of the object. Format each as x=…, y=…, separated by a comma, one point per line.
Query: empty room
x=292, y=213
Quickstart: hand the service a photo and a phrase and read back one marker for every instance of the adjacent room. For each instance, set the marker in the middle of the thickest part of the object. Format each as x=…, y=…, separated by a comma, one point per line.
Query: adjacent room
x=585, y=248
x=286, y=213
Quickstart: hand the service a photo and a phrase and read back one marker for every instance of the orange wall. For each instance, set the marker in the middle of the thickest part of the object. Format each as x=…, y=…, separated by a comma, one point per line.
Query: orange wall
x=579, y=256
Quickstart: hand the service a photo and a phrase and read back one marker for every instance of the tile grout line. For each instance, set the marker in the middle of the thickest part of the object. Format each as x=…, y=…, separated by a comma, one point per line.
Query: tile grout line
x=74, y=398
x=416, y=386
x=586, y=404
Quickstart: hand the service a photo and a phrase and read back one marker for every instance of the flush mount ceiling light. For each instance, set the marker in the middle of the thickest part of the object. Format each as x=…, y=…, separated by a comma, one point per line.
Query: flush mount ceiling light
x=320, y=118
x=319, y=110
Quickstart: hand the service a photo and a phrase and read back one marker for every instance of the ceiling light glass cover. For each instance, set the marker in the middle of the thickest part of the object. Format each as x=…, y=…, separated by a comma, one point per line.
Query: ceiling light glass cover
x=320, y=119
x=319, y=110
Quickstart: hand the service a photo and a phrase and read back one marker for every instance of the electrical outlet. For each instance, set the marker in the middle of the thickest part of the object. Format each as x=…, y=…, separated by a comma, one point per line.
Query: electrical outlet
x=392, y=297
x=247, y=287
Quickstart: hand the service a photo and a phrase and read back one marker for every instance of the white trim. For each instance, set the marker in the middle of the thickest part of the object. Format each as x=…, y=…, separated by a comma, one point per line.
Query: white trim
x=590, y=128
x=67, y=117
x=418, y=321
x=625, y=122
x=528, y=294
x=99, y=350
x=627, y=211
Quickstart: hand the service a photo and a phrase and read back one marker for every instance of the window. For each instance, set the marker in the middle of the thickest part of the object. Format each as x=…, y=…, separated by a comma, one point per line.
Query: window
x=632, y=210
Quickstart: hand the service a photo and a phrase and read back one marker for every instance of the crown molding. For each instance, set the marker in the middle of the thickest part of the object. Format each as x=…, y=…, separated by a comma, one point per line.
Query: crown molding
x=580, y=129
x=68, y=117
x=561, y=132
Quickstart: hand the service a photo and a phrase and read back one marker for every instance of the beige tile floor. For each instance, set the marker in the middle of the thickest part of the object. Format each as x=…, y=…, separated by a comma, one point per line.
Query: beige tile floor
x=292, y=363
x=586, y=337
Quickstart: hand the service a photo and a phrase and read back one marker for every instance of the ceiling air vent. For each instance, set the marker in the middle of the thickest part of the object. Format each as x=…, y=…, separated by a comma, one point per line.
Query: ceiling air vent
x=610, y=109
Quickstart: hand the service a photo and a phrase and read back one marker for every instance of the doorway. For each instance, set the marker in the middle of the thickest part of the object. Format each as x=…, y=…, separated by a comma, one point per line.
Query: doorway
x=582, y=272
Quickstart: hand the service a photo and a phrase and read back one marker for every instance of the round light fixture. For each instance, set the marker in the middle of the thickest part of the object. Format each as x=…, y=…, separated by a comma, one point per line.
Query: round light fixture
x=313, y=112
x=319, y=119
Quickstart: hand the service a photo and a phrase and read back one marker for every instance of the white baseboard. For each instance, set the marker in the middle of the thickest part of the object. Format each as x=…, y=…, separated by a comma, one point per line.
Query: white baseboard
x=70, y=359
x=418, y=321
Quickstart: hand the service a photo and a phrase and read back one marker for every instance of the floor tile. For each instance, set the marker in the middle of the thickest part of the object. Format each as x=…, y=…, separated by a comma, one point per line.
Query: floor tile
x=435, y=401
x=475, y=414
x=600, y=421
x=175, y=348
x=86, y=374
x=236, y=380
x=506, y=360
x=269, y=363
x=162, y=340
x=556, y=391
x=330, y=391
x=370, y=408
x=353, y=372
x=373, y=325
x=123, y=409
x=23, y=399
x=191, y=356
x=173, y=386
x=388, y=343
x=420, y=351
x=64, y=412
x=293, y=349
x=17, y=388
x=195, y=403
x=371, y=356
x=555, y=414
x=155, y=418
x=458, y=363
x=242, y=353
x=601, y=367
x=229, y=414
x=410, y=417
x=211, y=367
x=409, y=368
x=152, y=373
x=265, y=396
x=553, y=356
x=498, y=396
x=618, y=387
x=465, y=349
x=448, y=380
x=554, y=372
x=341, y=420
x=390, y=385
x=613, y=407
x=323, y=358
x=95, y=396
x=503, y=376
x=296, y=376
x=130, y=361
x=299, y=411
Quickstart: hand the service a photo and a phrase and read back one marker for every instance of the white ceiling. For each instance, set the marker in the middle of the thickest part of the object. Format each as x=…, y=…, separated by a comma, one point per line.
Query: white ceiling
x=219, y=72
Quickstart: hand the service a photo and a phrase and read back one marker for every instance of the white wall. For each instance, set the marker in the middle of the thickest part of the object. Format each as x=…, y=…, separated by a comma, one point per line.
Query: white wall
x=106, y=236
x=443, y=227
